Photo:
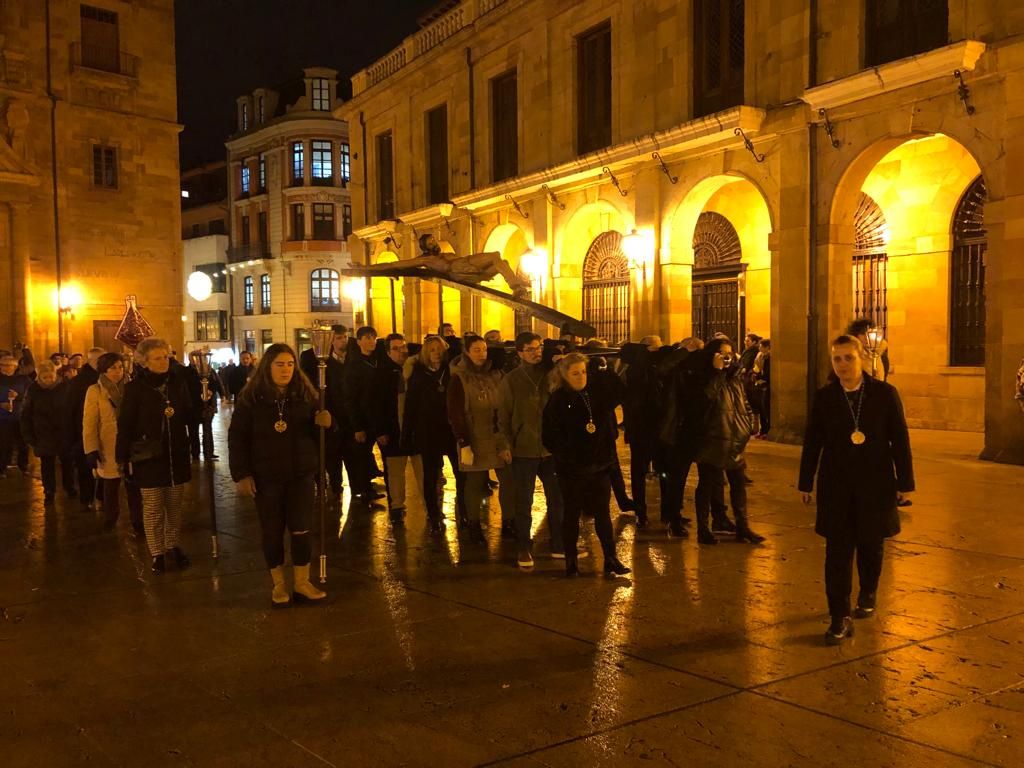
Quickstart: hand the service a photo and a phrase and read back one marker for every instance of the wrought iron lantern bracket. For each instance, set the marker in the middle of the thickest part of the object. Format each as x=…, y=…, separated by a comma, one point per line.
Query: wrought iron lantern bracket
x=749, y=145
x=519, y=208
x=664, y=168
x=615, y=181
x=830, y=129
x=552, y=198
x=963, y=91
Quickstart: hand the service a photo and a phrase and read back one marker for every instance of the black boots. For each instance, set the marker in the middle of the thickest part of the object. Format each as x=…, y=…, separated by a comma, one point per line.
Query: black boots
x=840, y=629
x=744, y=534
x=865, y=606
x=705, y=536
x=614, y=567
x=159, y=566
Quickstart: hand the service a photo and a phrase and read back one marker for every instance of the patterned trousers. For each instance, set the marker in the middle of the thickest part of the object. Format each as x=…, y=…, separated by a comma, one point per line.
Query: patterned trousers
x=161, y=517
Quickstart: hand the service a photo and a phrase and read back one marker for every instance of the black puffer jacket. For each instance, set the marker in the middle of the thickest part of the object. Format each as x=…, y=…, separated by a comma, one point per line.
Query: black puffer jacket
x=45, y=424
x=256, y=449
x=729, y=422
x=142, y=421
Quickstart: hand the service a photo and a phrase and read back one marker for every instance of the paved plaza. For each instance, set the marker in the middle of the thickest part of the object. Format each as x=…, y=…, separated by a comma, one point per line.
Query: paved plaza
x=438, y=653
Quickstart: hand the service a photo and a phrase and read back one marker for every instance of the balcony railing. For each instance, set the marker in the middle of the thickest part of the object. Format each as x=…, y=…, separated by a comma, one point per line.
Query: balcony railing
x=249, y=252
x=463, y=15
x=104, y=59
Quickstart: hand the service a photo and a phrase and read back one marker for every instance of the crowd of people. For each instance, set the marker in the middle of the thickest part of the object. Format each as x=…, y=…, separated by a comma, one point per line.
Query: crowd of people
x=544, y=409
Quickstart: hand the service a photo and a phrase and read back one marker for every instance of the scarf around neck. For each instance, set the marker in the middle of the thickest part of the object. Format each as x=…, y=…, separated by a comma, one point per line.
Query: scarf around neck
x=114, y=391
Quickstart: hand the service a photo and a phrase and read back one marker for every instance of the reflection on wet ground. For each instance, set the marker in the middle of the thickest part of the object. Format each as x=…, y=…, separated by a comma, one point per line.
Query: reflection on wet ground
x=435, y=651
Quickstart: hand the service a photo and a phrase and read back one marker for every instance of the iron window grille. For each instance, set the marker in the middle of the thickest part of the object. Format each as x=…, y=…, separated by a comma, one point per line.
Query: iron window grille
x=870, y=264
x=967, y=278
x=606, y=287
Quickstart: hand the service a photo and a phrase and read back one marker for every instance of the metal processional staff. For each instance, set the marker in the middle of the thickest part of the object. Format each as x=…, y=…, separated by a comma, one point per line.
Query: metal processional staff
x=321, y=339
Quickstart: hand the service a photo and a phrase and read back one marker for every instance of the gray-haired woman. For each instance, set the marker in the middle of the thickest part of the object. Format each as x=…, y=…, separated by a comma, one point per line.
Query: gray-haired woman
x=152, y=444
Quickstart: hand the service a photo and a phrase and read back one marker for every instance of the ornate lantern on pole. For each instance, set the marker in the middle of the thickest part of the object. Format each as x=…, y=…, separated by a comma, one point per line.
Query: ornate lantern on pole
x=321, y=339
x=200, y=360
x=875, y=337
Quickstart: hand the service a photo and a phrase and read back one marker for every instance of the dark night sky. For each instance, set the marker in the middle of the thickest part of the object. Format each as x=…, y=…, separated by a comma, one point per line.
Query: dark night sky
x=229, y=47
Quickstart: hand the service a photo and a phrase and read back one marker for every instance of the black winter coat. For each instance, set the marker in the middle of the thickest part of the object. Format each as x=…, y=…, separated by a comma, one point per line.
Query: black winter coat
x=334, y=393
x=79, y=386
x=426, y=428
x=141, y=420
x=682, y=399
x=563, y=428
x=45, y=423
x=389, y=385
x=857, y=484
x=359, y=380
x=256, y=449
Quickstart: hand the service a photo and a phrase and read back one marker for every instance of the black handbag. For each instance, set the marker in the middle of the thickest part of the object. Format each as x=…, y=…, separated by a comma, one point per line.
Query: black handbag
x=145, y=449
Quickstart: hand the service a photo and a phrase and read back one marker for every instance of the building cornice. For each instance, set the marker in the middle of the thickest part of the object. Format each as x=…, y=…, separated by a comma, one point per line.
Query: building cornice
x=679, y=140
x=914, y=70
x=284, y=128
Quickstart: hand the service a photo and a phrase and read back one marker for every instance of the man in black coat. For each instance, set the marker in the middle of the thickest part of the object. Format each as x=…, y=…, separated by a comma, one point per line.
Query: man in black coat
x=338, y=437
x=88, y=488
x=241, y=374
x=359, y=379
x=203, y=412
x=389, y=393
x=858, y=432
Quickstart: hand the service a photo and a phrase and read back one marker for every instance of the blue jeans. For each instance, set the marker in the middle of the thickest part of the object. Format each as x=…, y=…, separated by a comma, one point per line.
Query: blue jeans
x=525, y=473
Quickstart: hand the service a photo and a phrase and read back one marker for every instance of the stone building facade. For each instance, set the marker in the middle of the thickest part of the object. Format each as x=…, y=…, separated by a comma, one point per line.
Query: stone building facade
x=89, y=201
x=289, y=167
x=784, y=167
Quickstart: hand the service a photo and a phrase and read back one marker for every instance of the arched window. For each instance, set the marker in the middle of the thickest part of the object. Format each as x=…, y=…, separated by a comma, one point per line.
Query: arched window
x=606, y=288
x=324, y=290
x=967, y=278
x=870, y=262
x=716, y=306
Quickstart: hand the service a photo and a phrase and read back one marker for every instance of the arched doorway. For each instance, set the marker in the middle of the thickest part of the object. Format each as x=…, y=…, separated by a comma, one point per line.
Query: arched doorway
x=870, y=263
x=898, y=256
x=967, y=278
x=606, y=288
x=717, y=273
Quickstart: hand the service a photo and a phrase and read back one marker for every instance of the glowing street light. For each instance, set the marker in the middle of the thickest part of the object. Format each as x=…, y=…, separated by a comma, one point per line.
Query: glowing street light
x=534, y=264
x=199, y=286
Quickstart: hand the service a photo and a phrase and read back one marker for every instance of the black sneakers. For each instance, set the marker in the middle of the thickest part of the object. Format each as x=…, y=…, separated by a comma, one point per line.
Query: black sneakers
x=839, y=630
x=865, y=606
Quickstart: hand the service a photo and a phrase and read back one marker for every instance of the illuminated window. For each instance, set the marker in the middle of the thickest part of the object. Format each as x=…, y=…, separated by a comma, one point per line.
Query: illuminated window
x=346, y=163
x=323, y=165
x=245, y=179
x=212, y=325
x=265, y=294
x=321, y=94
x=263, y=173
x=324, y=290
x=248, y=294
x=266, y=340
x=298, y=162
x=967, y=278
x=250, y=342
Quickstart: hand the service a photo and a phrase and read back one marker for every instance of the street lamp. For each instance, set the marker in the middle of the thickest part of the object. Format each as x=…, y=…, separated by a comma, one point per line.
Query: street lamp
x=637, y=249
x=68, y=296
x=199, y=286
x=321, y=339
x=875, y=337
x=200, y=360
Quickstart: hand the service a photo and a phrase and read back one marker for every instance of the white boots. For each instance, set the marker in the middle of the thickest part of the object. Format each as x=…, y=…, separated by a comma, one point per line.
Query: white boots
x=279, y=597
x=304, y=592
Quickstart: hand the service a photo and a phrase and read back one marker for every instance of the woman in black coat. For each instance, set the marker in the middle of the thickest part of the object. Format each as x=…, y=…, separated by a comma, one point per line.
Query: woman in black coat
x=152, y=443
x=427, y=431
x=274, y=455
x=579, y=428
x=44, y=425
x=858, y=432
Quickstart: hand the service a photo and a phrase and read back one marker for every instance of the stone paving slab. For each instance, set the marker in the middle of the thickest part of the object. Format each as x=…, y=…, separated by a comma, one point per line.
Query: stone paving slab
x=437, y=652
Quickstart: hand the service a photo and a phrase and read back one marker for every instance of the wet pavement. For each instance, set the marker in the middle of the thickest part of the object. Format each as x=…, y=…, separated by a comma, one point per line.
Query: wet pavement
x=437, y=652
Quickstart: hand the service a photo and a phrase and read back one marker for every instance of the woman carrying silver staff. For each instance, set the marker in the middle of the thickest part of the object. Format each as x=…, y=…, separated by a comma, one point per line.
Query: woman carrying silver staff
x=273, y=455
x=152, y=443
x=858, y=444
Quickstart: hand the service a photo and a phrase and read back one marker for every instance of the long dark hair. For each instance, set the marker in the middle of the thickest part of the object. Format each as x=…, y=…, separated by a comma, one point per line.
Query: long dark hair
x=261, y=387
